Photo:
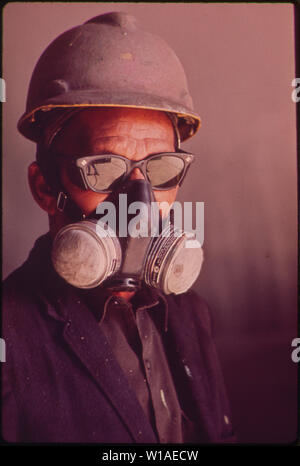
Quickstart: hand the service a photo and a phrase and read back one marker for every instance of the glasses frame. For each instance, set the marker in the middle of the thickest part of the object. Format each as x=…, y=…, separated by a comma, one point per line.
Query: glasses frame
x=81, y=163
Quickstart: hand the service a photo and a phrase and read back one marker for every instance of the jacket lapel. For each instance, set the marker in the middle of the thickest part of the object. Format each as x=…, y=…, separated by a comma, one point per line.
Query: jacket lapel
x=83, y=334
x=190, y=366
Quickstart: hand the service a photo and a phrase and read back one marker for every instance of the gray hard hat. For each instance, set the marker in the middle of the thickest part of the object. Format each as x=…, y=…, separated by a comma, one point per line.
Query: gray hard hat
x=108, y=62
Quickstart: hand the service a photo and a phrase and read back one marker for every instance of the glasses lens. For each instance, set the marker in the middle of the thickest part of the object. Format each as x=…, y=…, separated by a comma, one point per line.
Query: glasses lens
x=165, y=171
x=104, y=173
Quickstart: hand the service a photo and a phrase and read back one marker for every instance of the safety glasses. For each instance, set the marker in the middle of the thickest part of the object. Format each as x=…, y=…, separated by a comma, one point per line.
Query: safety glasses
x=104, y=173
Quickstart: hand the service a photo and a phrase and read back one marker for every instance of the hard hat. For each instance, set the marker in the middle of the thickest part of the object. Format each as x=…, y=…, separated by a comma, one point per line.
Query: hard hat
x=108, y=62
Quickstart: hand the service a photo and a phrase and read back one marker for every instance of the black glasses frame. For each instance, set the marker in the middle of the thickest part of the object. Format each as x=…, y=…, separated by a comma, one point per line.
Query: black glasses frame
x=82, y=162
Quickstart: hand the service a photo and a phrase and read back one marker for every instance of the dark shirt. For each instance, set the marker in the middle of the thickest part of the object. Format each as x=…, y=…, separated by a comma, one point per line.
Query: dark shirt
x=133, y=330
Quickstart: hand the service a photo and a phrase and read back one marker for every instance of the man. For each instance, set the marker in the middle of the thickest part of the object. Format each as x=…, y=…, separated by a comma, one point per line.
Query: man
x=103, y=343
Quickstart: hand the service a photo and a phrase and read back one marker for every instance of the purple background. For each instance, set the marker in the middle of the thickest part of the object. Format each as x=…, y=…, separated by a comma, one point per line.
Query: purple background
x=239, y=60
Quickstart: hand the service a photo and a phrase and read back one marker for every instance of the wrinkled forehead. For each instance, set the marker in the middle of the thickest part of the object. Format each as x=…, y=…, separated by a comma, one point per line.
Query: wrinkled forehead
x=79, y=126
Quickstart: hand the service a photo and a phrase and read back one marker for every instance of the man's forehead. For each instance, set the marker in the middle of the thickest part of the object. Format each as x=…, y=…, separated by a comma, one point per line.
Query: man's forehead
x=93, y=124
x=108, y=116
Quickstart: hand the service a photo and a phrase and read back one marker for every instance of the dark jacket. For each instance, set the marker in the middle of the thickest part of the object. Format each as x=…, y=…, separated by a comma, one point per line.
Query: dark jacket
x=62, y=383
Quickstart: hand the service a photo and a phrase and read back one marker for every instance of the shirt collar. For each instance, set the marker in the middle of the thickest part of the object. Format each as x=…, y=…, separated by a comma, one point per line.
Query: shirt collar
x=100, y=299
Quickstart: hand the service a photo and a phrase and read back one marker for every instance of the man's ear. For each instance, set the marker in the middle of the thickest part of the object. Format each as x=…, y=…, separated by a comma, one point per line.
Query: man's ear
x=40, y=190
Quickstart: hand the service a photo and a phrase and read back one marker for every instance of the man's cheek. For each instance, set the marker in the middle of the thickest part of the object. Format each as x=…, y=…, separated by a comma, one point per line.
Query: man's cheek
x=87, y=200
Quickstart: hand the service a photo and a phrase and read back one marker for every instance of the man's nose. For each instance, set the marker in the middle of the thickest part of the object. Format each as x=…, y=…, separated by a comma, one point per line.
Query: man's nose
x=136, y=174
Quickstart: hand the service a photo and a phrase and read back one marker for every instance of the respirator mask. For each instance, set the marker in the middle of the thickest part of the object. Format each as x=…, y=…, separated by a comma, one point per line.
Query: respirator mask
x=125, y=243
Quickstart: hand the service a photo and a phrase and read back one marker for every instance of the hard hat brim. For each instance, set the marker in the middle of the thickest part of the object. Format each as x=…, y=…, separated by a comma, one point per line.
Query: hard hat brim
x=30, y=127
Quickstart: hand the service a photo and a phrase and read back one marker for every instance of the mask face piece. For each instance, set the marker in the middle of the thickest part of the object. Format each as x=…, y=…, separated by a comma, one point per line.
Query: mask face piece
x=89, y=253
x=137, y=242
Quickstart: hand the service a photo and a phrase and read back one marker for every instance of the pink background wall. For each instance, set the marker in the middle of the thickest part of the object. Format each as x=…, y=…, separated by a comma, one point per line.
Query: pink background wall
x=239, y=59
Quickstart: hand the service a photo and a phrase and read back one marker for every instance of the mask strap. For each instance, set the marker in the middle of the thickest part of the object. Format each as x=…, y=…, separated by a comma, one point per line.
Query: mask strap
x=65, y=204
